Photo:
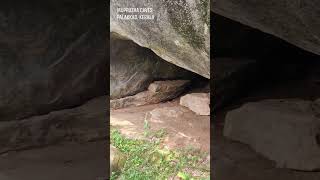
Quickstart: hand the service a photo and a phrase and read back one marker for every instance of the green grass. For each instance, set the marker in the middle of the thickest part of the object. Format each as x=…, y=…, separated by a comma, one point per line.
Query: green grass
x=146, y=159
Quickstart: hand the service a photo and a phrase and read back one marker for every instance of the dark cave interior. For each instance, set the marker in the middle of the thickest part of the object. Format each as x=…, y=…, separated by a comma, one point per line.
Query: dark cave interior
x=282, y=70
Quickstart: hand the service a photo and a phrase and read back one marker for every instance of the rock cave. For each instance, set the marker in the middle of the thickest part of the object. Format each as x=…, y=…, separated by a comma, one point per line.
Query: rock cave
x=146, y=88
x=160, y=75
x=266, y=86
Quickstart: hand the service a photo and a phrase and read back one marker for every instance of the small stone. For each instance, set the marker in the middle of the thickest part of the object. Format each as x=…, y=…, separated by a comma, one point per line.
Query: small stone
x=197, y=102
x=117, y=159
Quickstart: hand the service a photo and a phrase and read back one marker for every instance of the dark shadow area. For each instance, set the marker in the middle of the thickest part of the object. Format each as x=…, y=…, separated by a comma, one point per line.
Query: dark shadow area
x=252, y=66
x=53, y=89
x=276, y=62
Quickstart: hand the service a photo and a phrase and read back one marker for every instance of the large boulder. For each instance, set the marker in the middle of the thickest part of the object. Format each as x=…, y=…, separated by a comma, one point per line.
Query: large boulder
x=52, y=56
x=286, y=131
x=179, y=32
x=296, y=22
x=158, y=91
x=133, y=68
x=199, y=103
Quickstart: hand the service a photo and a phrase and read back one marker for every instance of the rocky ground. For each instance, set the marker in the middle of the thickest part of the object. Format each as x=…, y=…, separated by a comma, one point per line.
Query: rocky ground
x=184, y=127
x=65, y=144
x=62, y=161
x=169, y=108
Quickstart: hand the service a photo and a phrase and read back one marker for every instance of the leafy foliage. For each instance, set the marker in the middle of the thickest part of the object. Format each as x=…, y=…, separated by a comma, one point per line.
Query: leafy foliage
x=147, y=160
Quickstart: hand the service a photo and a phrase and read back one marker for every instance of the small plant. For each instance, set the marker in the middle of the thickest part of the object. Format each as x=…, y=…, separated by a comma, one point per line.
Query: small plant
x=146, y=160
x=146, y=127
x=184, y=176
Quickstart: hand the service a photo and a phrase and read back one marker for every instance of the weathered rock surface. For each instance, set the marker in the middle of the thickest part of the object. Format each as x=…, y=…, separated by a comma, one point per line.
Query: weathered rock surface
x=232, y=77
x=179, y=32
x=133, y=68
x=52, y=57
x=246, y=164
x=158, y=114
x=197, y=102
x=84, y=123
x=297, y=22
x=185, y=127
x=285, y=131
x=157, y=92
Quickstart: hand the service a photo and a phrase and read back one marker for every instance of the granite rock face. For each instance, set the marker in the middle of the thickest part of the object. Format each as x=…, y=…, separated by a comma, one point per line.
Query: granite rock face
x=179, y=32
x=81, y=124
x=296, y=22
x=52, y=56
x=133, y=68
x=286, y=131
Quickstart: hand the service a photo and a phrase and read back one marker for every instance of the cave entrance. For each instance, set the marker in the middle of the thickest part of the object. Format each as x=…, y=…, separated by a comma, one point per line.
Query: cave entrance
x=264, y=86
x=152, y=97
x=265, y=66
x=133, y=68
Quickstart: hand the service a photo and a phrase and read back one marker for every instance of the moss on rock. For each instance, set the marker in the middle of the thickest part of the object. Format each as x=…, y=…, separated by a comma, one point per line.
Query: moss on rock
x=180, y=17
